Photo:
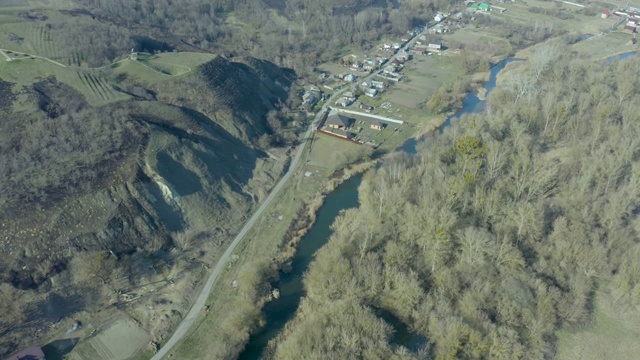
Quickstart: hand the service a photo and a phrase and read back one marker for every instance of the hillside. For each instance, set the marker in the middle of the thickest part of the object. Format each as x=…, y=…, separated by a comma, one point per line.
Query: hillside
x=105, y=201
x=238, y=94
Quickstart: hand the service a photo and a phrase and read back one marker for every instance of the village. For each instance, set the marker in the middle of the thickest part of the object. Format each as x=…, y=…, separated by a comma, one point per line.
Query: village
x=383, y=96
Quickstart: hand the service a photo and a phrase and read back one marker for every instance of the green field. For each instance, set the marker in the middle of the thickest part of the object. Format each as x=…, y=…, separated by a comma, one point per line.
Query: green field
x=613, y=333
x=92, y=84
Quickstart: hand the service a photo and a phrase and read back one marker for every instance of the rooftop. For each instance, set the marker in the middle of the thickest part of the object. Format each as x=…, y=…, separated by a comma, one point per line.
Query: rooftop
x=337, y=120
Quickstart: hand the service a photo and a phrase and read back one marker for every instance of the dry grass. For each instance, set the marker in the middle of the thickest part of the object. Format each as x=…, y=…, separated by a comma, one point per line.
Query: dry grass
x=614, y=333
x=519, y=12
x=605, y=46
x=117, y=340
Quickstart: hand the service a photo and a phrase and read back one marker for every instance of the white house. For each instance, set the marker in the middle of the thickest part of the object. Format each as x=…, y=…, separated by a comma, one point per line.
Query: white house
x=439, y=17
x=371, y=92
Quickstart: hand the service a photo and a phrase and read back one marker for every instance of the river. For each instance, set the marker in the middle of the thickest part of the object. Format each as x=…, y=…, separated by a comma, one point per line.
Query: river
x=278, y=312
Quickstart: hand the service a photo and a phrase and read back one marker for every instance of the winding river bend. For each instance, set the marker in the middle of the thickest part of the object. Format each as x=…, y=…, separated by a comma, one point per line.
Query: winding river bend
x=278, y=312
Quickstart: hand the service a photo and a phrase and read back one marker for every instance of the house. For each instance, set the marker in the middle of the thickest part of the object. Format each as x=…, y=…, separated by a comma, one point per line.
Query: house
x=605, y=14
x=419, y=49
x=344, y=102
x=396, y=46
x=350, y=77
x=434, y=47
x=377, y=84
x=631, y=29
x=386, y=46
x=371, y=92
x=337, y=121
x=402, y=56
x=481, y=7
x=366, y=84
x=31, y=353
x=310, y=99
x=377, y=126
x=439, y=17
x=439, y=29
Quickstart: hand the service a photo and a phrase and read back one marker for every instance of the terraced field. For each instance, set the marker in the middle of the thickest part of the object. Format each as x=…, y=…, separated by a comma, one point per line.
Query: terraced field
x=97, y=86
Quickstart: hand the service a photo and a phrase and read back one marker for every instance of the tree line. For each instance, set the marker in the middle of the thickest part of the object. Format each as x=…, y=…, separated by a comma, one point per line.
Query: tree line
x=497, y=233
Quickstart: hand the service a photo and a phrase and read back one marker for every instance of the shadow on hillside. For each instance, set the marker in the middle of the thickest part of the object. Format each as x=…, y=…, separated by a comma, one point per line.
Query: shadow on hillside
x=57, y=349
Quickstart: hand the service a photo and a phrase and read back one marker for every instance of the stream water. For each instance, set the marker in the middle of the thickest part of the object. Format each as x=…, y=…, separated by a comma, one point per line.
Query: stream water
x=621, y=56
x=345, y=196
x=278, y=312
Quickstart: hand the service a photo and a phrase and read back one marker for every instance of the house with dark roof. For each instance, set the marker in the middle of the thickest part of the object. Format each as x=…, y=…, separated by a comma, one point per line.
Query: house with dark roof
x=337, y=121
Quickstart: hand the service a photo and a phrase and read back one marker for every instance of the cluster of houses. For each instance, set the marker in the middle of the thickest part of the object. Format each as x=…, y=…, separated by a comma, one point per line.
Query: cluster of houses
x=347, y=99
x=310, y=98
x=367, y=65
x=372, y=88
x=633, y=18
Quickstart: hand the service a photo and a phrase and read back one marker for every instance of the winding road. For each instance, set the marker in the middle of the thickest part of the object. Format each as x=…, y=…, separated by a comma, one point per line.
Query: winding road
x=198, y=305
x=193, y=314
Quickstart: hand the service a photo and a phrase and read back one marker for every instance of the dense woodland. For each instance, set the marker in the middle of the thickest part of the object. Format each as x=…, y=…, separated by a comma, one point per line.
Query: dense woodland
x=495, y=235
x=296, y=34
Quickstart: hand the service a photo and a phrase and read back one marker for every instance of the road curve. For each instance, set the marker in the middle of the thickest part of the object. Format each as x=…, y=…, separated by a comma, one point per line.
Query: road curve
x=195, y=310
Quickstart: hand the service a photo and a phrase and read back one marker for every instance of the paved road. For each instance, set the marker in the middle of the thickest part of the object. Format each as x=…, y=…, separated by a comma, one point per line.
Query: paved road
x=193, y=314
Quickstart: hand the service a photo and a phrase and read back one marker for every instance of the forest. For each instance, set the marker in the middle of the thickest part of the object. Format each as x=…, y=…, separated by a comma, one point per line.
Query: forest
x=497, y=233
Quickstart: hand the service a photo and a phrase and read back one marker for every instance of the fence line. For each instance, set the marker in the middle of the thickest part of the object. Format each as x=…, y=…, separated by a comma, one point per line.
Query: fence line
x=368, y=115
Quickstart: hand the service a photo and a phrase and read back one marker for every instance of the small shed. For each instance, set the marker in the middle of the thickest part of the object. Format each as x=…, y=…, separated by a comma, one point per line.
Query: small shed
x=377, y=126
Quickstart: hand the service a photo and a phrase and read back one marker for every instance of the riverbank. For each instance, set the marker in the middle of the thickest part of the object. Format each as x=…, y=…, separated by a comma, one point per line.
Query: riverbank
x=301, y=225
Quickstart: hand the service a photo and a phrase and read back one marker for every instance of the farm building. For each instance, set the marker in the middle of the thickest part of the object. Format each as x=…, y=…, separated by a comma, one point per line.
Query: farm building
x=337, y=121
x=419, y=49
x=605, y=14
x=434, y=47
x=339, y=133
